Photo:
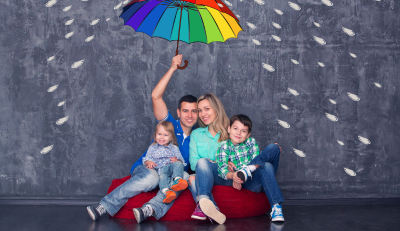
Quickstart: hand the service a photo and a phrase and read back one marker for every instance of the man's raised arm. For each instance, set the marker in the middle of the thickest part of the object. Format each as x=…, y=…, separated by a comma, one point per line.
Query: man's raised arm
x=159, y=107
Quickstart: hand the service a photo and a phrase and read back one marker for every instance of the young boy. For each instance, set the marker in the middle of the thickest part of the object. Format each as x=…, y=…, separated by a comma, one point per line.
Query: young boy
x=252, y=170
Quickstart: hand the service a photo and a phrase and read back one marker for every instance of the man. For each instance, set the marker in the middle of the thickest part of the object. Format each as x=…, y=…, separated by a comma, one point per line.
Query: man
x=144, y=179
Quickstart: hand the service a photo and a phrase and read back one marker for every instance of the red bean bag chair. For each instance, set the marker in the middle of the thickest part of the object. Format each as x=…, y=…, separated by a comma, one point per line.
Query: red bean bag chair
x=233, y=203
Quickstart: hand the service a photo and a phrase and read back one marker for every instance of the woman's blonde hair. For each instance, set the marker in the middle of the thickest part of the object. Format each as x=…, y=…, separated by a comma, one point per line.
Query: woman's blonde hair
x=221, y=122
x=169, y=127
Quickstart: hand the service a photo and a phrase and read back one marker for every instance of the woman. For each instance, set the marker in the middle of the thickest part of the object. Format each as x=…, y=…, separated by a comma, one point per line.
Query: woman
x=203, y=145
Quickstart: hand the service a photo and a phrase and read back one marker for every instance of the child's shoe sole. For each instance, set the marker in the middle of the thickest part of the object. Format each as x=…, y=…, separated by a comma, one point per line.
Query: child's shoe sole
x=209, y=209
x=182, y=185
x=169, y=197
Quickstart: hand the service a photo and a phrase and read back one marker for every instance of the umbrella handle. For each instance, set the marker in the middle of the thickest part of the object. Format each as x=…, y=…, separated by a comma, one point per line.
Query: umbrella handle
x=184, y=66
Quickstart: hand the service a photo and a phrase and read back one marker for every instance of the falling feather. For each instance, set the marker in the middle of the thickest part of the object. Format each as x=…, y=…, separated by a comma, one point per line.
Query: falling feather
x=53, y=88
x=125, y=2
x=317, y=24
x=78, y=64
x=321, y=64
x=228, y=3
x=276, y=38
x=295, y=61
x=364, y=140
x=294, y=6
x=88, y=39
x=284, y=124
x=251, y=25
x=348, y=31
x=268, y=67
x=299, y=153
x=377, y=84
x=94, y=22
x=220, y=5
x=62, y=120
x=61, y=103
x=284, y=107
x=108, y=19
x=117, y=6
x=340, y=142
x=349, y=172
x=293, y=92
x=319, y=40
x=85, y=0
x=278, y=11
x=69, y=34
x=237, y=15
x=353, y=55
x=50, y=58
x=256, y=42
x=67, y=8
x=51, y=3
x=327, y=2
x=69, y=22
x=331, y=117
x=46, y=149
x=353, y=96
x=260, y=2
x=332, y=101
x=276, y=25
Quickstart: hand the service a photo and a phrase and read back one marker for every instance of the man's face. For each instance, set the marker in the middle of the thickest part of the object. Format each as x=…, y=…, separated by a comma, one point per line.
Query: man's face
x=188, y=114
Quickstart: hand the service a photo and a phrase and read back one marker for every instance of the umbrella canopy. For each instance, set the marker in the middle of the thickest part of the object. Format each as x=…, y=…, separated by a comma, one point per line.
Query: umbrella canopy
x=188, y=21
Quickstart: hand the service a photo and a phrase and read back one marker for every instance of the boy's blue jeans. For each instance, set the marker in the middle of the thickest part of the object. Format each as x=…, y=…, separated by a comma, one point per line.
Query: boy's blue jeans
x=168, y=174
x=263, y=178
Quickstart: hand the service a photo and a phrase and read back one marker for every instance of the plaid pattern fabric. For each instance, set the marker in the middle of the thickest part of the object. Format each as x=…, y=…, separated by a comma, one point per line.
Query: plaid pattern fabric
x=161, y=155
x=240, y=154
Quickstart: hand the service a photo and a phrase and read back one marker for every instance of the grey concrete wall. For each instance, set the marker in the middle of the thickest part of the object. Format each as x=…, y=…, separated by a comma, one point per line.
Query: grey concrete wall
x=108, y=100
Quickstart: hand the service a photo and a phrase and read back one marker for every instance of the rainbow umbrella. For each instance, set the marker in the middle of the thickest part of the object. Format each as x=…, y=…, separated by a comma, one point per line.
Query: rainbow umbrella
x=186, y=20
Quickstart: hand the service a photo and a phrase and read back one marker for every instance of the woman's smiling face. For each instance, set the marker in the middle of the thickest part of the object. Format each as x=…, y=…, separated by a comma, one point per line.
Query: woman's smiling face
x=206, y=112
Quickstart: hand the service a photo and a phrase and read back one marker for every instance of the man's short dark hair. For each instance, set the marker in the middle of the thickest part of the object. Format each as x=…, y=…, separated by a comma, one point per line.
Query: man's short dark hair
x=245, y=120
x=187, y=98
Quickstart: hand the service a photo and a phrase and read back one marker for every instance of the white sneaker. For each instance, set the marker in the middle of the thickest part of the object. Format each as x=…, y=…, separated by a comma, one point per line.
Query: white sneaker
x=244, y=173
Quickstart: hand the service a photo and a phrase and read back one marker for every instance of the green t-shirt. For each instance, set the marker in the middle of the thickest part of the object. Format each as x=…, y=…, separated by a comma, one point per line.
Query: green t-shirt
x=202, y=145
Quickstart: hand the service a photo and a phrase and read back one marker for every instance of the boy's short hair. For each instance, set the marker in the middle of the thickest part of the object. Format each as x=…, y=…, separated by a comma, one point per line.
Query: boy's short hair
x=187, y=98
x=245, y=120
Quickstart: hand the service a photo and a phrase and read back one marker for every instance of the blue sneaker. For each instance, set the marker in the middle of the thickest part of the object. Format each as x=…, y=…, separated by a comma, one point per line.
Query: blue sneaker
x=276, y=213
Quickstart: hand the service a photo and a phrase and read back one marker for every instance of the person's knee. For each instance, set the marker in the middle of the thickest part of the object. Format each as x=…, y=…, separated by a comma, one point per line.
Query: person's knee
x=273, y=147
x=177, y=164
x=202, y=164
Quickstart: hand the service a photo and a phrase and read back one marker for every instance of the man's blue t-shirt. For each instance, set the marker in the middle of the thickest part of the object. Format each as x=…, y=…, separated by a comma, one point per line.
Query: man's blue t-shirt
x=183, y=143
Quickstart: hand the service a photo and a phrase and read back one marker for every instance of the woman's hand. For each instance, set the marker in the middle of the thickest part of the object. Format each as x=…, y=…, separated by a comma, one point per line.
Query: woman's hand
x=150, y=164
x=236, y=179
x=174, y=159
x=236, y=185
x=191, y=178
x=231, y=166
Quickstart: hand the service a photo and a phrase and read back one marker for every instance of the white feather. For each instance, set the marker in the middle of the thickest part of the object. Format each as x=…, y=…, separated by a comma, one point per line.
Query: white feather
x=251, y=25
x=94, y=22
x=268, y=67
x=340, y=142
x=319, y=40
x=260, y=2
x=284, y=107
x=46, y=149
x=299, y=153
x=62, y=120
x=88, y=39
x=256, y=42
x=51, y=3
x=276, y=25
x=61, y=103
x=53, y=88
x=350, y=172
x=293, y=92
x=278, y=11
x=276, y=38
x=377, y=84
x=295, y=61
x=69, y=34
x=220, y=5
x=67, y=8
x=327, y=2
x=126, y=2
x=77, y=64
x=317, y=24
x=117, y=6
x=69, y=22
x=353, y=55
x=238, y=16
x=294, y=6
x=332, y=101
x=348, y=31
x=50, y=58
x=228, y=3
x=284, y=124
x=353, y=96
x=85, y=0
x=364, y=140
x=108, y=19
x=321, y=64
x=331, y=117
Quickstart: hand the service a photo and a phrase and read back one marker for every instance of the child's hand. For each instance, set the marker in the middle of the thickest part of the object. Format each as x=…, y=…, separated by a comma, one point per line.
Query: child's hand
x=150, y=164
x=174, y=159
x=236, y=179
x=231, y=166
x=191, y=178
x=280, y=149
x=236, y=185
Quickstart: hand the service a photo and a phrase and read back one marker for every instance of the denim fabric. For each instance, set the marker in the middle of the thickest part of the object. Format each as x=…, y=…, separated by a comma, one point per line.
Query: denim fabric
x=168, y=173
x=263, y=178
x=195, y=195
x=207, y=177
x=142, y=180
x=160, y=209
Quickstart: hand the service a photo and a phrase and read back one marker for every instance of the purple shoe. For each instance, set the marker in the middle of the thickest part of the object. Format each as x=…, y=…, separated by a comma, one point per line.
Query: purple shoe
x=198, y=214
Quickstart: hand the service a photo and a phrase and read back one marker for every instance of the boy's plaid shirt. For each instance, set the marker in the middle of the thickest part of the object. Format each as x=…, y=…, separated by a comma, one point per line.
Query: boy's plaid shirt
x=240, y=154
